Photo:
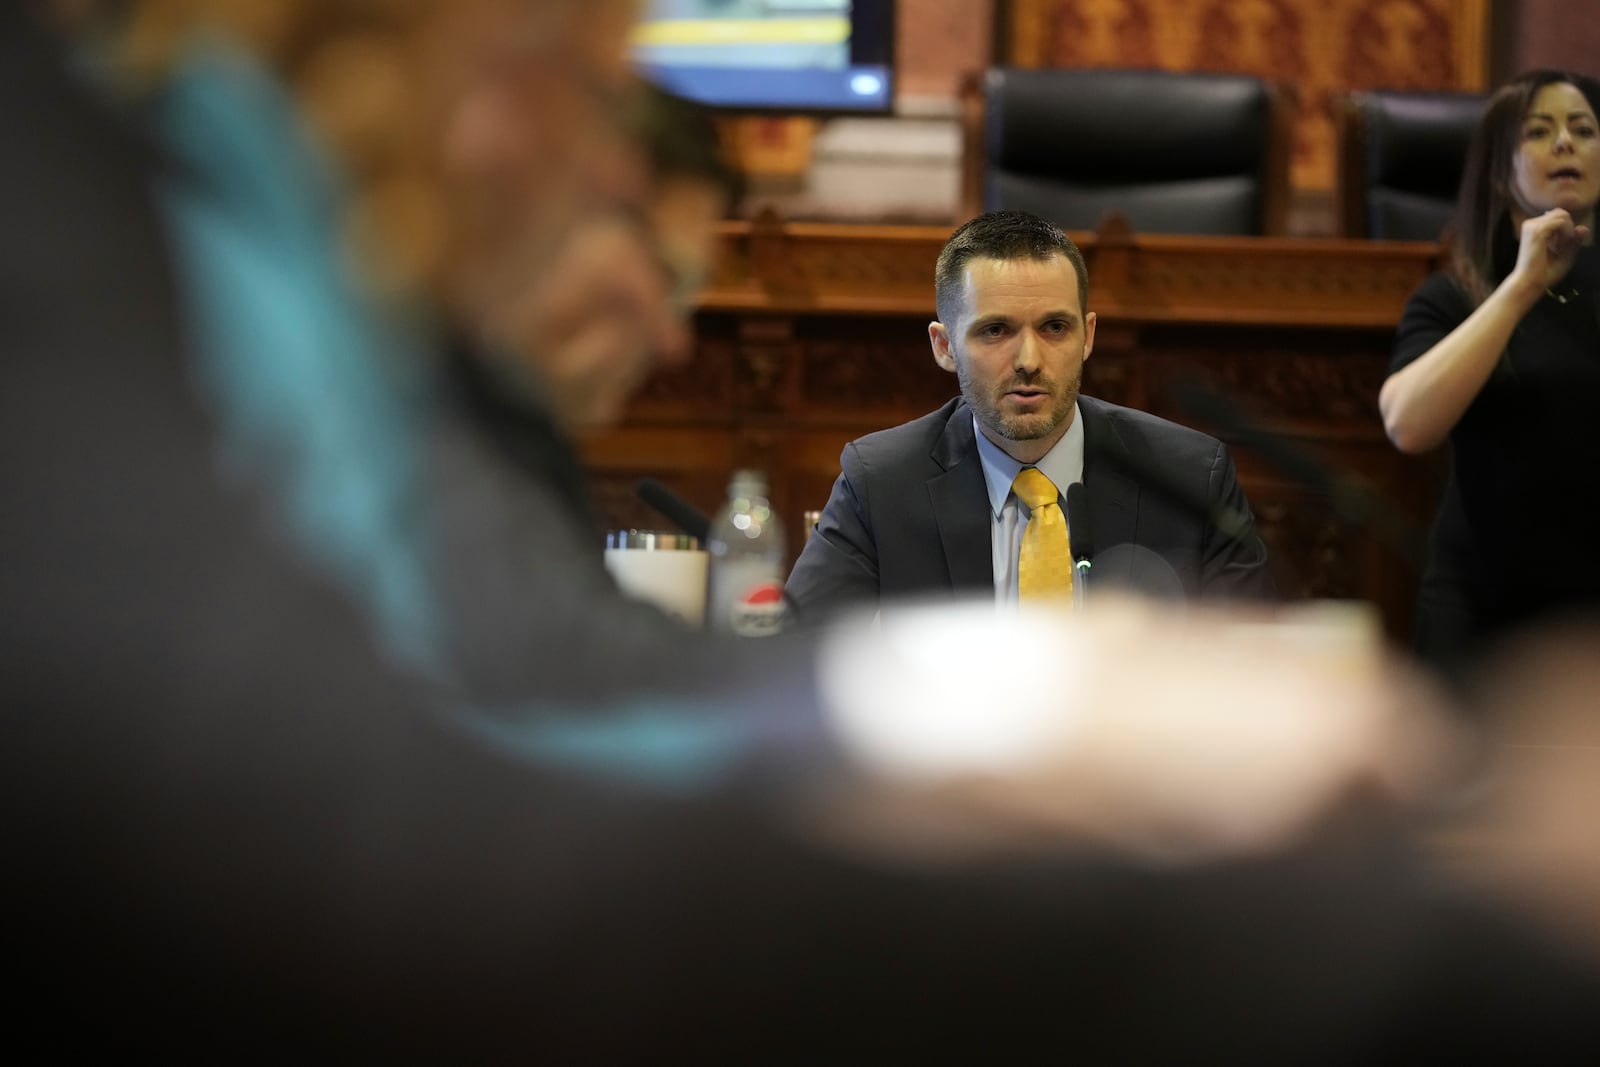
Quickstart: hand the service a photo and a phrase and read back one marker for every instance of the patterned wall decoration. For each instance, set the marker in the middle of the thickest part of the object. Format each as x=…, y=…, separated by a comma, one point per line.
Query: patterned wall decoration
x=1320, y=47
x=938, y=41
x=1549, y=33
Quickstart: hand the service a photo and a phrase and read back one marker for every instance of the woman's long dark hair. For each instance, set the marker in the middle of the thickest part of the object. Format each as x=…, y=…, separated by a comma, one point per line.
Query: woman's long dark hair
x=1484, y=241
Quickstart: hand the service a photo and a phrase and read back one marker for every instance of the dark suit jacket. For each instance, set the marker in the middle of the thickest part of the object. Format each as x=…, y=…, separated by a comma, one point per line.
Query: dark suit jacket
x=909, y=514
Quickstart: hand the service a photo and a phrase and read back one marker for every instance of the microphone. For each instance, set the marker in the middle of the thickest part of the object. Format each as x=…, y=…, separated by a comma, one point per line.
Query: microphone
x=1080, y=536
x=690, y=519
x=1352, y=499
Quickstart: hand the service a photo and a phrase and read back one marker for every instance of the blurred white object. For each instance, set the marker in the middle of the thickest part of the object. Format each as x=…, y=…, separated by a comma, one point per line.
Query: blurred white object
x=667, y=570
x=1172, y=736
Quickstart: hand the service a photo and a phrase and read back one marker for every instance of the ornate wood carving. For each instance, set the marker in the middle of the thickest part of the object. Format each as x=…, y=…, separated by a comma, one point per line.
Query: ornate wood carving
x=1113, y=379
x=1310, y=547
x=707, y=379
x=767, y=355
x=869, y=375
x=834, y=268
x=1329, y=381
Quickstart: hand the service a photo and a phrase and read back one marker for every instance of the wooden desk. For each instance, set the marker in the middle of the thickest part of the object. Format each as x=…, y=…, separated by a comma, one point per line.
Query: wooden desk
x=812, y=334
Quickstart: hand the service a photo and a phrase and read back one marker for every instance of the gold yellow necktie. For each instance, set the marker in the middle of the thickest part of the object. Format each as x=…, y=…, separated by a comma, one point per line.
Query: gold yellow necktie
x=1044, y=566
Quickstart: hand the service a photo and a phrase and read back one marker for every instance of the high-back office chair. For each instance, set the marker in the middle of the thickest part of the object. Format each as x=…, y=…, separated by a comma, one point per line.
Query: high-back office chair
x=1400, y=160
x=1171, y=152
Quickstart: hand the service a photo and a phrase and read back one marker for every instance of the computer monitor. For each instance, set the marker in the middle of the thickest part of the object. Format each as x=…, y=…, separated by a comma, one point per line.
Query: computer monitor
x=814, y=56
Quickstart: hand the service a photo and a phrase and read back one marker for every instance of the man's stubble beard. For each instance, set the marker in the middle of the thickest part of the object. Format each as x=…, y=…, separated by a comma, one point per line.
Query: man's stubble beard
x=1027, y=427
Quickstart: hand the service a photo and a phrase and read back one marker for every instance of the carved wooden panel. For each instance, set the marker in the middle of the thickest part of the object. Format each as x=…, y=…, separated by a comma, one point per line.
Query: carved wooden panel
x=868, y=368
x=687, y=390
x=1313, y=552
x=814, y=268
x=1276, y=280
x=1317, y=46
x=1326, y=380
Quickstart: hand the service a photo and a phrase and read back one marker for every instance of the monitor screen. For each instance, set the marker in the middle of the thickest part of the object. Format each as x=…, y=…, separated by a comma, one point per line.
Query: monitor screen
x=772, y=55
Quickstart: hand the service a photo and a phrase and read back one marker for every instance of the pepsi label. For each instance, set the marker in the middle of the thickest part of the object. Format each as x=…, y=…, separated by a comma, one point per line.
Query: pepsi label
x=746, y=598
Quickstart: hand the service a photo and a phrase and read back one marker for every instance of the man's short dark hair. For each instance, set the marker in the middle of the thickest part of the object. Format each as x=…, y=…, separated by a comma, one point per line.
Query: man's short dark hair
x=1006, y=236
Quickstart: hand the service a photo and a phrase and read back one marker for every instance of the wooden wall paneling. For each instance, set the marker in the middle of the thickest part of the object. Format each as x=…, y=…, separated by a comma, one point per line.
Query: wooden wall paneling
x=1546, y=33
x=868, y=369
x=1261, y=281
x=811, y=469
x=1114, y=371
x=819, y=268
x=832, y=267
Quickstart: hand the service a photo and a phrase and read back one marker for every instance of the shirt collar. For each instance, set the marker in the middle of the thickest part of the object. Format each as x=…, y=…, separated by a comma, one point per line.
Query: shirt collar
x=1063, y=464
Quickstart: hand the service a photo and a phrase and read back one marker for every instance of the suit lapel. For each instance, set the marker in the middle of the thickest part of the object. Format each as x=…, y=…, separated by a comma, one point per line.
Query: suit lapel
x=1112, y=492
x=960, y=500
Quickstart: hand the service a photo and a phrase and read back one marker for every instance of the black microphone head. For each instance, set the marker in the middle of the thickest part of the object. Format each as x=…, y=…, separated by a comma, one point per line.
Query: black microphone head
x=1216, y=410
x=690, y=519
x=1078, y=531
x=1352, y=497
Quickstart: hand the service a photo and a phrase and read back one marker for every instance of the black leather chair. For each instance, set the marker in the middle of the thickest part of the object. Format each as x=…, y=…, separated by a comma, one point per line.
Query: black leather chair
x=1171, y=152
x=1401, y=155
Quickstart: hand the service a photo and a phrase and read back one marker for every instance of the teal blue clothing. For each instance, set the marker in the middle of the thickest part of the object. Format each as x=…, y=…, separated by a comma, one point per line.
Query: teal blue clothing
x=331, y=402
x=306, y=373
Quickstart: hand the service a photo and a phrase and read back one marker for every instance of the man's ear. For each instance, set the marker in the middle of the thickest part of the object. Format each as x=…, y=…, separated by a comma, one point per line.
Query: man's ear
x=939, y=338
x=1088, y=334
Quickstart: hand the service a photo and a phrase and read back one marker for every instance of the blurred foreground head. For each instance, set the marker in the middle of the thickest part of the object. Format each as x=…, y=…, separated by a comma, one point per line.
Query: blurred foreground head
x=618, y=298
x=480, y=139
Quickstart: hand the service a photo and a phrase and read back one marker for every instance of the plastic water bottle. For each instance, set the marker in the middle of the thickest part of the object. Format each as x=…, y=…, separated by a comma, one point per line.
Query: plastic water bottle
x=744, y=593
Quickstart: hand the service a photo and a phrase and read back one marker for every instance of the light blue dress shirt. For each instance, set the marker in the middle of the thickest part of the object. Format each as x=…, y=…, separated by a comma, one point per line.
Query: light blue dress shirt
x=1008, y=516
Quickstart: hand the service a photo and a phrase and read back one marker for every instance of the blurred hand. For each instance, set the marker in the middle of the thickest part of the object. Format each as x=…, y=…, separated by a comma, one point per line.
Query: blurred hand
x=1549, y=247
x=1166, y=732
x=1531, y=837
x=593, y=321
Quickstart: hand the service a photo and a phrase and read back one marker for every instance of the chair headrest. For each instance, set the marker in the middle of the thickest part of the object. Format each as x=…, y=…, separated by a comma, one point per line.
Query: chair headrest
x=1418, y=142
x=1121, y=125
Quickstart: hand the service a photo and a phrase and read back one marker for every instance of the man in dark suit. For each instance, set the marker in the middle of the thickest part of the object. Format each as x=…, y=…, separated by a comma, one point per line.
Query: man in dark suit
x=928, y=506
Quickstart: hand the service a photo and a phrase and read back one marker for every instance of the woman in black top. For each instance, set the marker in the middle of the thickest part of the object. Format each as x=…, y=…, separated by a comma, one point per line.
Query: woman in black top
x=1500, y=354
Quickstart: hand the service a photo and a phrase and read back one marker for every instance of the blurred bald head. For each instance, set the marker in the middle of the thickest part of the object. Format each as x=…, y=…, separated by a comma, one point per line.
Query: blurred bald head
x=486, y=146
x=472, y=131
